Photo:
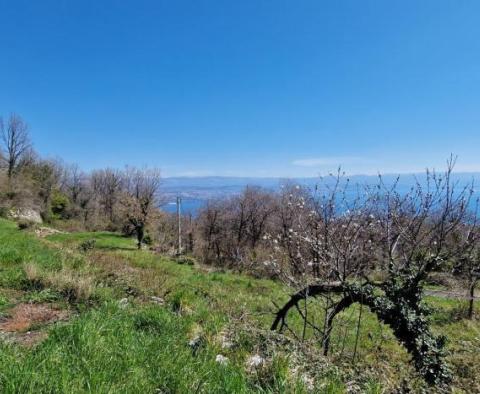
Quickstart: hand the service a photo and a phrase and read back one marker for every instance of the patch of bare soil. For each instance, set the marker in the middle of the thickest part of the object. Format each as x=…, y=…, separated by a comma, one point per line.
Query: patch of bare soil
x=22, y=321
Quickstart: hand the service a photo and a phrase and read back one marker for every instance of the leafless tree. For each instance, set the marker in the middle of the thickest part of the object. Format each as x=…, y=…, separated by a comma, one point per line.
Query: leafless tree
x=15, y=141
x=231, y=231
x=74, y=182
x=211, y=227
x=467, y=263
x=107, y=185
x=140, y=198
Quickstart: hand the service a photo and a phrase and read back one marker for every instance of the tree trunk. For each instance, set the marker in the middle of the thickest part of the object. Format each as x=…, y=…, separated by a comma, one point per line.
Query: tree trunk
x=140, y=234
x=471, y=301
x=398, y=308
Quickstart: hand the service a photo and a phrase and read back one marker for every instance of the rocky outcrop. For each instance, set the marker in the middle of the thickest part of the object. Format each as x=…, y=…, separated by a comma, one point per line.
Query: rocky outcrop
x=26, y=214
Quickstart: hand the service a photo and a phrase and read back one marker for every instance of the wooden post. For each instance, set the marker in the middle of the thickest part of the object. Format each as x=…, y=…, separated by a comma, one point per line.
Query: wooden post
x=179, y=221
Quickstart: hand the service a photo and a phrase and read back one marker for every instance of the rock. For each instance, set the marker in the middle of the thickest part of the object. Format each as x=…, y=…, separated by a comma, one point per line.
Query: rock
x=157, y=300
x=226, y=344
x=222, y=360
x=308, y=382
x=43, y=232
x=224, y=340
x=26, y=214
x=255, y=361
x=195, y=344
x=123, y=303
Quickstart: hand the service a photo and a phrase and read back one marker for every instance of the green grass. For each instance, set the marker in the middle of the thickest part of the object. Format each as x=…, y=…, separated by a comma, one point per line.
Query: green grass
x=104, y=240
x=143, y=347
x=18, y=248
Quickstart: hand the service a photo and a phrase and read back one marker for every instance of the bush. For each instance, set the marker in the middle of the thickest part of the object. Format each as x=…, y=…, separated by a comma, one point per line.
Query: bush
x=3, y=212
x=147, y=239
x=59, y=205
x=187, y=260
x=87, y=245
x=41, y=296
x=25, y=224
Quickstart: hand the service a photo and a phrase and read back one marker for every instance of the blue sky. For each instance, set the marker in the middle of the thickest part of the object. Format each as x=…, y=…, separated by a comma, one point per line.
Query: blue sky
x=251, y=87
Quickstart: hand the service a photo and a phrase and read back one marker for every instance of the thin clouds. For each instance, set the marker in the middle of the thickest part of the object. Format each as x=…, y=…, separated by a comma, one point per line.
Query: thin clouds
x=328, y=161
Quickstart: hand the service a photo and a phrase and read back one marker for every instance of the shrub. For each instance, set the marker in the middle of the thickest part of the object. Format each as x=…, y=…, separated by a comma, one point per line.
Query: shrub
x=41, y=296
x=25, y=224
x=187, y=260
x=87, y=245
x=3, y=212
x=147, y=239
x=59, y=204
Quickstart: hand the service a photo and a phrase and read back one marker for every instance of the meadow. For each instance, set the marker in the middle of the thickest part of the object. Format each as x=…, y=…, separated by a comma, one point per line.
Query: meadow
x=113, y=319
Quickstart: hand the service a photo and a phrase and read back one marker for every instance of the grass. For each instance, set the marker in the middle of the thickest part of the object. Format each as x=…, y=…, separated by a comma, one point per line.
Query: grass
x=103, y=240
x=118, y=340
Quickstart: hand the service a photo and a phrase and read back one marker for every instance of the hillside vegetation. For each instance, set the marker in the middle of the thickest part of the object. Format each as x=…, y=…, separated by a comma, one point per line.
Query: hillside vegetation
x=115, y=319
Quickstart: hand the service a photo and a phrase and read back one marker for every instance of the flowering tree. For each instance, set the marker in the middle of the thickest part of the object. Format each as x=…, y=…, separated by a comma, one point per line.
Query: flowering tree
x=347, y=233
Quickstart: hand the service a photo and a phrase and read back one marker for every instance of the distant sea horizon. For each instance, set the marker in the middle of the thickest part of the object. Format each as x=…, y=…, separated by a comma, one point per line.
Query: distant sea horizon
x=197, y=191
x=190, y=206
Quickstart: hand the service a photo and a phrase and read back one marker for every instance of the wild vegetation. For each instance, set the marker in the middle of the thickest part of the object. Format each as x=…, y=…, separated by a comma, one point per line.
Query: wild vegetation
x=324, y=290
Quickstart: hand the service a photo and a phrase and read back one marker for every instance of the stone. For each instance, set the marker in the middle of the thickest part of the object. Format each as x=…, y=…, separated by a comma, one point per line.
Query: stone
x=27, y=214
x=222, y=360
x=123, y=303
x=255, y=361
x=157, y=300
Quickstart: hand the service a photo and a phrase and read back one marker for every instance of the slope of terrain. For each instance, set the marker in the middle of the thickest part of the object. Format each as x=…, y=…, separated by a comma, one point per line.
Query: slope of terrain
x=108, y=318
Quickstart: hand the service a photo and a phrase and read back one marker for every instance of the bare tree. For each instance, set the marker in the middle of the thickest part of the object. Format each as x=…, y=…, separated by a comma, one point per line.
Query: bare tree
x=231, y=231
x=140, y=198
x=211, y=230
x=74, y=182
x=15, y=143
x=106, y=185
x=467, y=263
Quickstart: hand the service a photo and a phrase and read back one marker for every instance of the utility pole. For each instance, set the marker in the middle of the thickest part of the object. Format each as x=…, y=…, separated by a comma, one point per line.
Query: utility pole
x=179, y=221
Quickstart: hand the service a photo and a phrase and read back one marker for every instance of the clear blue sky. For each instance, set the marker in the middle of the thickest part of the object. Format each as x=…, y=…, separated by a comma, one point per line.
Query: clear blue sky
x=251, y=87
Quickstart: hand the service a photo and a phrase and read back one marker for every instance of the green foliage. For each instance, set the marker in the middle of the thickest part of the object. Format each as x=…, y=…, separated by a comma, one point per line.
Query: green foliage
x=147, y=239
x=42, y=296
x=401, y=307
x=59, y=204
x=3, y=301
x=25, y=224
x=188, y=260
x=3, y=210
x=87, y=245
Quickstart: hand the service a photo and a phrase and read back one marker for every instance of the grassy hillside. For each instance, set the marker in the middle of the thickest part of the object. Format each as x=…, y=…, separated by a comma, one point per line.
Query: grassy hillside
x=115, y=320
